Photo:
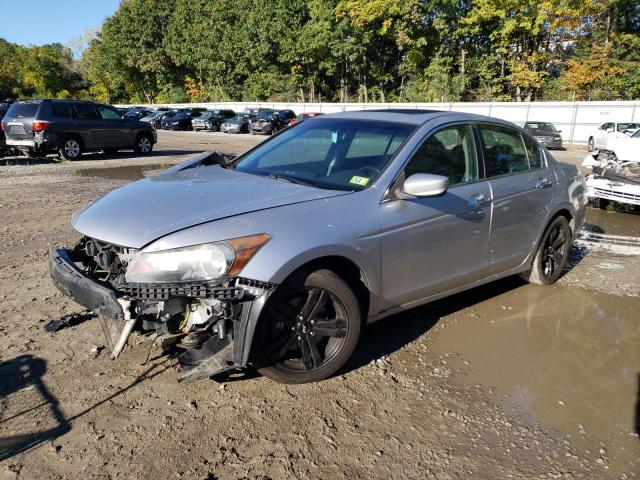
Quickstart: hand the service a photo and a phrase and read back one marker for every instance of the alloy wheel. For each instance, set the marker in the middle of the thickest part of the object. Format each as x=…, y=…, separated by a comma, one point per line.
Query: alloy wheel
x=554, y=252
x=305, y=330
x=144, y=145
x=72, y=148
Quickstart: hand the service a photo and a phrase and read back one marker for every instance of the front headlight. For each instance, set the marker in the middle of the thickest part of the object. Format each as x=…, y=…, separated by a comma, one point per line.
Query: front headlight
x=196, y=263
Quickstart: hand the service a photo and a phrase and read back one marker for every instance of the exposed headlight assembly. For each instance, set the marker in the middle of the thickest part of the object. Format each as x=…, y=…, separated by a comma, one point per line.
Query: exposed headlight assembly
x=196, y=263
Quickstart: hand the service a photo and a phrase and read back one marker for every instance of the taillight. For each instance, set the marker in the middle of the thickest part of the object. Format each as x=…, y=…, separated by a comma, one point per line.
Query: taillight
x=39, y=126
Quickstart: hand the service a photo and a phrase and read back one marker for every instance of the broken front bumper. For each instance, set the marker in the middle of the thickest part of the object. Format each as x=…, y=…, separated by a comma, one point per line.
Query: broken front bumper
x=81, y=289
x=212, y=357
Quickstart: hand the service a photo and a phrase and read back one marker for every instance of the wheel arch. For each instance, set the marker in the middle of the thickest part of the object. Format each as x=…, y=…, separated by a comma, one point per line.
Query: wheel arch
x=345, y=268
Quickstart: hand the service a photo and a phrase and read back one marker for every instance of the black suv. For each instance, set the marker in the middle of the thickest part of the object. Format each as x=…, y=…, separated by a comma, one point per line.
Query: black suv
x=70, y=127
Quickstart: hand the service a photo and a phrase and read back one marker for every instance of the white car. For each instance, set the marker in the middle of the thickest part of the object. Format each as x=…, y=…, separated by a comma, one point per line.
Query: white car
x=626, y=149
x=606, y=132
x=612, y=180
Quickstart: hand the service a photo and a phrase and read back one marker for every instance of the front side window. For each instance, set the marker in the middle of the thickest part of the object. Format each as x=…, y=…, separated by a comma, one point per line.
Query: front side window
x=107, y=113
x=504, y=150
x=606, y=126
x=449, y=152
x=341, y=154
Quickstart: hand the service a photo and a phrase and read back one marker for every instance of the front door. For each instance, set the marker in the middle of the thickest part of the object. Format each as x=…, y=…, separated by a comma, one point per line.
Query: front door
x=432, y=244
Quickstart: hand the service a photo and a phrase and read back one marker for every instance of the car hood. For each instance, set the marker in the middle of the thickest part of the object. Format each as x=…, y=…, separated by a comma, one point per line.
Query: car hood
x=141, y=212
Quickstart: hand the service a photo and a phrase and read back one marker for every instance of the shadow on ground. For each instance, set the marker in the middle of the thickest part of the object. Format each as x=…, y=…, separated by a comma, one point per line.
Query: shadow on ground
x=23, y=398
x=30, y=415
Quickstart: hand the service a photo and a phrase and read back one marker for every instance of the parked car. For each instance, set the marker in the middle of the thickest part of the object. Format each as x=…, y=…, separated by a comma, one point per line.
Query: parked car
x=4, y=150
x=237, y=124
x=212, y=119
x=137, y=113
x=271, y=121
x=613, y=179
x=304, y=116
x=626, y=149
x=608, y=131
x=179, y=121
x=156, y=118
x=546, y=133
x=71, y=127
x=277, y=258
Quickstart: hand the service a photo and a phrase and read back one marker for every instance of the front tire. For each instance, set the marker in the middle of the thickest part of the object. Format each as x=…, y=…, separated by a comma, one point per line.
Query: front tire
x=214, y=127
x=308, y=330
x=144, y=144
x=552, y=253
x=70, y=148
x=591, y=144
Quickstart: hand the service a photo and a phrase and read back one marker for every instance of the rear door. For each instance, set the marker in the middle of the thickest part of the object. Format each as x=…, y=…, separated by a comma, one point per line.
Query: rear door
x=521, y=190
x=89, y=125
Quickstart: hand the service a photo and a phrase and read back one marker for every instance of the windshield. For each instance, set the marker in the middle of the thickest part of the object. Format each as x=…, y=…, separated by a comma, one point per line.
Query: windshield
x=239, y=118
x=336, y=154
x=628, y=126
x=266, y=115
x=541, y=127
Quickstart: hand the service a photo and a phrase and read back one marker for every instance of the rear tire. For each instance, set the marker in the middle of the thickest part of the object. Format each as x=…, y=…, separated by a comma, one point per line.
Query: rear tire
x=214, y=127
x=552, y=253
x=144, y=144
x=70, y=148
x=308, y=330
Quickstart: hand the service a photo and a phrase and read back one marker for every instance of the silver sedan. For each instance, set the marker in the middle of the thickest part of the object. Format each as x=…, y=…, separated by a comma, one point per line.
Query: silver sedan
x=279, y=257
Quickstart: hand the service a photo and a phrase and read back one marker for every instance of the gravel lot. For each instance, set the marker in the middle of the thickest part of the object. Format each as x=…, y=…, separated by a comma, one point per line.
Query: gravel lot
x=505, y=381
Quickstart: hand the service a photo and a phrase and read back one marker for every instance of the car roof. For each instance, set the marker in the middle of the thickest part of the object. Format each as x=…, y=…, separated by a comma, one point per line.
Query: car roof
x=415, y=117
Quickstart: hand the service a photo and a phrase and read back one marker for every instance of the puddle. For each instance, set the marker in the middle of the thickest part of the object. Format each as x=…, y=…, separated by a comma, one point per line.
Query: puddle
x=129, y=172
x=612, y=223
x=567, y=358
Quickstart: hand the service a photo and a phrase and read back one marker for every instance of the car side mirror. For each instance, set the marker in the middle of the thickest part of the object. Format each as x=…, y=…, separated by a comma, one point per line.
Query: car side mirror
x=425, y=185
x=559, y=131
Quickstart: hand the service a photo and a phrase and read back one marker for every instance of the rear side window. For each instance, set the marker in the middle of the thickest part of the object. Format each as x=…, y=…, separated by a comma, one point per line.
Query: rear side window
x=23, y=110
x=535, y=153
x=449, y=152
x=504, y=150
x=85, y=111
x=61, y=110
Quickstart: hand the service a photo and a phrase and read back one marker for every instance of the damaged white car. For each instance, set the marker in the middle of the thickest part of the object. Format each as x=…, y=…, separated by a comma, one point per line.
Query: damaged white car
x=613, y=179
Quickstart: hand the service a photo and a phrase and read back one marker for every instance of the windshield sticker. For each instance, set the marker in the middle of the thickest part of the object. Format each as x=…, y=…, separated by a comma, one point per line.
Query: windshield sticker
x=356, y=180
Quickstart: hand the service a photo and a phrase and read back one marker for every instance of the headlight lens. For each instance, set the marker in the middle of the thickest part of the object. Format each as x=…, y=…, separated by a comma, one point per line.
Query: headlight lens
x=197, y=263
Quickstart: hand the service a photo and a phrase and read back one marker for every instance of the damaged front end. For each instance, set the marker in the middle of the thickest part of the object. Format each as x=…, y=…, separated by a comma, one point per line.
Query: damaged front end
x=612, y=179
x=210, y=324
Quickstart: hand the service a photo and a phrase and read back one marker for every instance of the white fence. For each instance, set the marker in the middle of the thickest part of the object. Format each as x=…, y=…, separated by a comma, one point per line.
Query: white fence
x=576, y=120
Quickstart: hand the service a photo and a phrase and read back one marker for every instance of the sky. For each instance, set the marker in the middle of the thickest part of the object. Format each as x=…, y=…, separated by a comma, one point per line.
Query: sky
x=36, y=22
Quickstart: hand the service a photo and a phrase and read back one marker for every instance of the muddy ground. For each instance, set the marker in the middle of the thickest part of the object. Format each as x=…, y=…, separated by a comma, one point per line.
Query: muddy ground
x=505, y=381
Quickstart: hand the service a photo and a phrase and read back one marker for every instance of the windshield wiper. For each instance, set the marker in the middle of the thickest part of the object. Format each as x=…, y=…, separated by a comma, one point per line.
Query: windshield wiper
x=277, y=176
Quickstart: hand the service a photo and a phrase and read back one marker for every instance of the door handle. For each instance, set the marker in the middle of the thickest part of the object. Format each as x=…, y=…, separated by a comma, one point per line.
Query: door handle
x=543, y=183
x=476, y=199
